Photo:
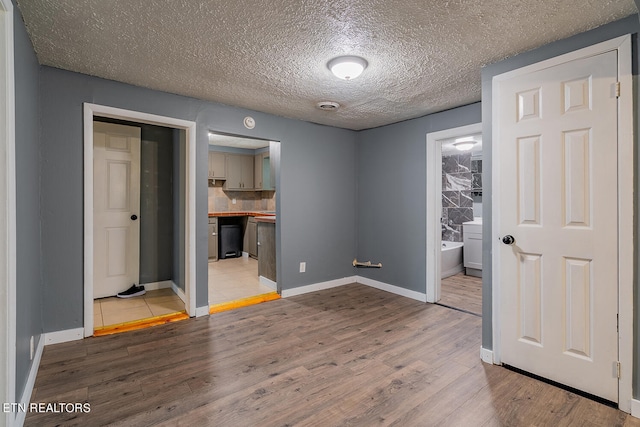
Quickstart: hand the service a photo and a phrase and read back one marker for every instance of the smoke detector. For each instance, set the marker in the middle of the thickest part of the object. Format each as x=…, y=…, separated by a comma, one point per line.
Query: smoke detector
x=327, y=105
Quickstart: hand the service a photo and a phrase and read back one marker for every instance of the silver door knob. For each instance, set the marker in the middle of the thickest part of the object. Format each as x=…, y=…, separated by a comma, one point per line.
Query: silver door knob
x=508, y=239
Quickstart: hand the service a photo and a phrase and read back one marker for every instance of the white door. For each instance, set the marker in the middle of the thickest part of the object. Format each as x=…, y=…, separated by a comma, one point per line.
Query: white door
x=557, y=148
x=116, y=208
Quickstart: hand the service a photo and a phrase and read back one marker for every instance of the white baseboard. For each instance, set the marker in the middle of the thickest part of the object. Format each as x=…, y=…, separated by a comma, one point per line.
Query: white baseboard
x=268, y=283
x=154, y=286
x=31, y=380
x=317, y=287
x=63, y=336
x=486, y=355
x=178, y=291
x=354, y=279
x=392, y=288
x=202, y=311
x=635, y=408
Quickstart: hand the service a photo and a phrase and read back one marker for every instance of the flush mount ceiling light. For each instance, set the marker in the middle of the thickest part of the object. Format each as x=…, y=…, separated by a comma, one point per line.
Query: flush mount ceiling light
x=464, y=144
x=347, y=67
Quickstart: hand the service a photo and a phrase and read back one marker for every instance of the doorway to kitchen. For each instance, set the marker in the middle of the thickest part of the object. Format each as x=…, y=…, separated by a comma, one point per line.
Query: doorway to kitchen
x=155, y=198
x=242, y=220
x=454, y=218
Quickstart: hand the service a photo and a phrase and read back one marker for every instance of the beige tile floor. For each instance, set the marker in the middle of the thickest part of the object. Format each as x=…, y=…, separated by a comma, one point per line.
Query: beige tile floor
x=113, y=310
x=234, y=278
x=229, y=279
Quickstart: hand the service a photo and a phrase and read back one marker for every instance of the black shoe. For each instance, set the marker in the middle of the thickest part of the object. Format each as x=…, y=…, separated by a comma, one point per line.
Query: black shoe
x=133, y=291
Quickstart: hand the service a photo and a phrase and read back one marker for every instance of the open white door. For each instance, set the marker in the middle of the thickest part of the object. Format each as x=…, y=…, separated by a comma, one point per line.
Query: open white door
x=557, y=146
x=116, y=208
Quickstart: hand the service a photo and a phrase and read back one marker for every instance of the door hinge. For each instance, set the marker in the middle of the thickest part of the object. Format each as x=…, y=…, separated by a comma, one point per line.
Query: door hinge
x=617, y=89
x=617, y=322
x=618, y=369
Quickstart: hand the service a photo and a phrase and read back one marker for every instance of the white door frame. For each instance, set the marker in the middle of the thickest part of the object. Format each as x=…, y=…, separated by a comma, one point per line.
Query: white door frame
x=7, y=214
x=626, y=180
x=434, y=209
x=92, y=110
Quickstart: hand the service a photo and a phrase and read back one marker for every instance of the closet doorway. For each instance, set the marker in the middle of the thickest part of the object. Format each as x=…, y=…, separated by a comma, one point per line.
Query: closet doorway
x=156, y=213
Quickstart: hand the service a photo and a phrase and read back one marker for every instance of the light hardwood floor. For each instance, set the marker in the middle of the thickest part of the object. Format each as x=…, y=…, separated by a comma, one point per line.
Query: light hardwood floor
x=462, y=292
x=348, y=356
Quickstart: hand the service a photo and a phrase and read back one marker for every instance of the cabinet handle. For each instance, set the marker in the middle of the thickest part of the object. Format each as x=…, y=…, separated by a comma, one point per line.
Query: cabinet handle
x=258, y=243
x=214, y=234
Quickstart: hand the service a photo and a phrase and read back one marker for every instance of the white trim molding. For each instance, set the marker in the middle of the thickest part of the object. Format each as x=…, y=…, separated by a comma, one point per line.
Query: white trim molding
x=434, y=203
x=31, y=381
x=7, y=213
x=92, y=110
x=486, y=355
x=202, y=311
x=286, y=293
x=635, y=408
x=58, y=337
x=268, y=283
x=392, y=288
x=626, y=181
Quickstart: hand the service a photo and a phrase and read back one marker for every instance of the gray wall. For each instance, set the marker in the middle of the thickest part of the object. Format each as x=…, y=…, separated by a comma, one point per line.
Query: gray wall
x=28, y=280
x=316, y=196
x=156, y=204
x=628, y=25
x=392, y=199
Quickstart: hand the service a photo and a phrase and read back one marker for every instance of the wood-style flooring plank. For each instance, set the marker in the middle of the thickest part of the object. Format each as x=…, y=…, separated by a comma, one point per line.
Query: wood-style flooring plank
x=348, y=356
x=462, y=292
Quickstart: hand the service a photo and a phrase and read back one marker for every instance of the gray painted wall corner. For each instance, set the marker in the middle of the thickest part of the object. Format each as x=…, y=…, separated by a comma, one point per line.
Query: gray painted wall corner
x=392, y=199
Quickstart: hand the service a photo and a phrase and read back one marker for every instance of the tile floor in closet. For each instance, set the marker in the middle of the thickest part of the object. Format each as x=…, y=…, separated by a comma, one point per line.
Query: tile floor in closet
x=113, y=310
x=229, y=279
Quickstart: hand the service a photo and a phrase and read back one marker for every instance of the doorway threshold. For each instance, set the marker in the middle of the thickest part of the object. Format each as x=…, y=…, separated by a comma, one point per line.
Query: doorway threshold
x=140, y=324
x=243, y=302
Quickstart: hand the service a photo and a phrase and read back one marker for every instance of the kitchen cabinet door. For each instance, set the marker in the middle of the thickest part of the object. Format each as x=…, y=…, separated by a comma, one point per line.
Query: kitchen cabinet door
x=217, y=165
x=257, y=171
x=252, y=233
x=239, y=172
x=247, y=172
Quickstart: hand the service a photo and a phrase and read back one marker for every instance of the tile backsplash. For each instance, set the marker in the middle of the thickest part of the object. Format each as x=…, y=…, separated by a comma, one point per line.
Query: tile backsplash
x=460, y=177
x=221, y=200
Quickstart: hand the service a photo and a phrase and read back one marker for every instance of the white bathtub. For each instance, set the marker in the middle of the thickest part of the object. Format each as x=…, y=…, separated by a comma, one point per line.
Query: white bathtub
x=451, y=259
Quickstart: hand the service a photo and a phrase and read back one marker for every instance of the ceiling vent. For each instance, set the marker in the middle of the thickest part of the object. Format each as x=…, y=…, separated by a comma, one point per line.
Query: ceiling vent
x=327, y=105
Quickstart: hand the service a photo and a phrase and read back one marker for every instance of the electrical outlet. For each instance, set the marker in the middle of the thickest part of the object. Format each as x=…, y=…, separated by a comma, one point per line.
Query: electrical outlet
x=31, y=348
x=233, y=201
x=303, y=267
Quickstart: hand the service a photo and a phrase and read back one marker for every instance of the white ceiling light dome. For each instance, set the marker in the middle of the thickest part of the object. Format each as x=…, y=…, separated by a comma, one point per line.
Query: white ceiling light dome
x=347, y=67
x=465, y=144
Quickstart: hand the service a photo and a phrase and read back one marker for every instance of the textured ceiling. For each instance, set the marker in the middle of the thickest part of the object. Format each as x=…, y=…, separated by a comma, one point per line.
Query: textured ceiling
x=270, y=55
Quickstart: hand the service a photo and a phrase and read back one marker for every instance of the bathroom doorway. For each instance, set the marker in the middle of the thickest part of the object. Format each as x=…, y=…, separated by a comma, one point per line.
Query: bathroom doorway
x=454, y=218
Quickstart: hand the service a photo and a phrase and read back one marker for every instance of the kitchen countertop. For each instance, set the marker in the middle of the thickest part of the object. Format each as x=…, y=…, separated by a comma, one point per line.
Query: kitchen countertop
x=242, y=213
x=271, y=219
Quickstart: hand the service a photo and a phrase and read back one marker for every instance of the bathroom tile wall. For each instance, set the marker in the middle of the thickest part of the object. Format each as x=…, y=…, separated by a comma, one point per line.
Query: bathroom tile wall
x=221, y=200
x=459, y=174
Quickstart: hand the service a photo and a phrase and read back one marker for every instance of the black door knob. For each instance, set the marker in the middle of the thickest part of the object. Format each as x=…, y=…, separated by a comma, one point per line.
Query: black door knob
x=134, y=217
x=508, y=239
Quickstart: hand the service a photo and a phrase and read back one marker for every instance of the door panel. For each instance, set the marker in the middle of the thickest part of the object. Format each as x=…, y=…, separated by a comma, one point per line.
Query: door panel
x=116, y=199
x=557, y=145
